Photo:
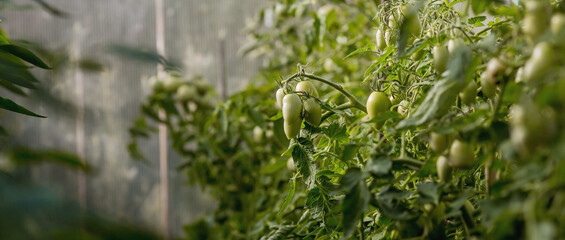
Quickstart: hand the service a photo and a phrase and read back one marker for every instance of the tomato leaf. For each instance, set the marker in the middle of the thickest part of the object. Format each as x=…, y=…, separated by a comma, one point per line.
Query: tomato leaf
x=367, y=49
x=12, y=106
x=24, y=54
x=289, y=195
x=355, y=201
x=479, y=6
x=302, y=155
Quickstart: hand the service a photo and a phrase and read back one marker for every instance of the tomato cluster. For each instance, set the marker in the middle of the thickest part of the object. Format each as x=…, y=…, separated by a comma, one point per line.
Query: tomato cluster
x=295, y=110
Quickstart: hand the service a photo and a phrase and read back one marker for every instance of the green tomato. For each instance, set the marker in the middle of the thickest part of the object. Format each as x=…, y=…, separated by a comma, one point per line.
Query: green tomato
x=377, y=103
x=541, y=60
x=258, y=134
x=487, y=87
x=494, y=68
x=312, y=112
x=454, y=43
x=443, y=169
x=468, y=94
x=440, y=58
x=558, y=25
x=536, y=19
x=402, y=107
x=292, y=128
x=392, y=22
x=519, y=75
x=291, y=108
x=156, y=84
x=280, y=95
x=290, y=165
x=186, y=93
x=461, y=155
x=381, y=42
x=201, y=86
x=307, y=87
x=172, y=83
x=438, y=142
x=526, y=126
x=390, y=38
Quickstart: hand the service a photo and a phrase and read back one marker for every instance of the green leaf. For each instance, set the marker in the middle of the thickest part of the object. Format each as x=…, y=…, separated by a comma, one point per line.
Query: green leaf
x=289, y=196
x=302, y=155
x=479, y=6
x=367, y=49
x=428, y=193
x=12, y=106
x=355, y=201
x=28, y=156
x=282, y=232
x=12, y=88
x=349, y=151
x=379, y=165
x=392, y=203
x=381, y=117
x=315, y=201
x=24, y=54
x=444, y=93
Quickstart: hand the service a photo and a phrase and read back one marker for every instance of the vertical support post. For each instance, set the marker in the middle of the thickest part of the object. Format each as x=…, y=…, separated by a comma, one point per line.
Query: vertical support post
x=163, y=158
x=79, y=131
x=221, y=70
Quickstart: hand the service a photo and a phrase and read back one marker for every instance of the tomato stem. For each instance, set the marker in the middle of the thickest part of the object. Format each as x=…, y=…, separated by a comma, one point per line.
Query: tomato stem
x=354, y=101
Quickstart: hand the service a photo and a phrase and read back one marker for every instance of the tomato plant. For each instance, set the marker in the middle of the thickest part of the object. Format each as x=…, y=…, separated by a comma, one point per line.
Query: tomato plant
x=452, y=161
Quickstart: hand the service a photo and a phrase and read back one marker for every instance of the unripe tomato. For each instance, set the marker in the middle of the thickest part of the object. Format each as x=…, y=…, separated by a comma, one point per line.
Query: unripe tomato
x=440, y=58
x=494, y=67
x=487, y=87
x=377, y=103
x=461, y=155
x=156, y=84
x=390, y=38
x=405, y=9
x=558, y=25
x=186, y=93
x=201, y=86
x=313, y=112
x=454, y=43
x=279, y=96
x=392, y=22
x=527, y=126
x=443, y=169
x=468, y=94
x=402, y=107
x=290, y=165
x=438, y=142
x=292, y=128
x=519, y=75
x=536, y=19
x=291, y=107
x=541, y=60
x=307, y=87
x=258, y=134
x=329, y=65
x=172, y=83
x=381, y=42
